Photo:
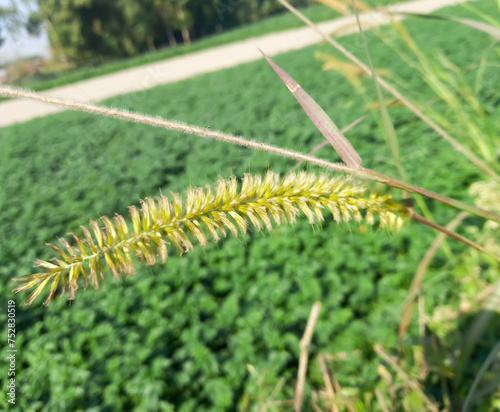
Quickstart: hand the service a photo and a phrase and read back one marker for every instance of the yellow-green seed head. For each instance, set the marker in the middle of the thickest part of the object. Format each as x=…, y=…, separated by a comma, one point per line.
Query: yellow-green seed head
x=204, y=212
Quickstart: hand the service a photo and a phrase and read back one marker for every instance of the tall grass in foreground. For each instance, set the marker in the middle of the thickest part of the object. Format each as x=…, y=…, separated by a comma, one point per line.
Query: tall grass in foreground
x=434, y=359
x=406, y=382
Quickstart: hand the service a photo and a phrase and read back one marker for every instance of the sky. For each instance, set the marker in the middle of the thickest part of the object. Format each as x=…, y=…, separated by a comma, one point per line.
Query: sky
x=20, y=44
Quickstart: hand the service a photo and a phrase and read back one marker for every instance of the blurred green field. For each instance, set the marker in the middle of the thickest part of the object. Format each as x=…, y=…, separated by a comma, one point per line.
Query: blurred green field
x=179, y=336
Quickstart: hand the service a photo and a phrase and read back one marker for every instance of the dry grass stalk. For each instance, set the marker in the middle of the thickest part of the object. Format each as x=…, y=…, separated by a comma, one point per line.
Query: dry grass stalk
x=381, y=400
x=408, y=381
x=314, y=401
x=270, y=400
x=304, y=355
x=420, y=273
x=328, y=383
x=454, y=235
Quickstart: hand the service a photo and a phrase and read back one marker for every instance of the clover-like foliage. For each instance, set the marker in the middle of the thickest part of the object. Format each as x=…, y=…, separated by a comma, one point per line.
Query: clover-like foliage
x=205, y=212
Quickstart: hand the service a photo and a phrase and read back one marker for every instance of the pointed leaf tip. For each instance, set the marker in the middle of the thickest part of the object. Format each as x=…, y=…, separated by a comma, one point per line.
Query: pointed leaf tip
x=318, y=116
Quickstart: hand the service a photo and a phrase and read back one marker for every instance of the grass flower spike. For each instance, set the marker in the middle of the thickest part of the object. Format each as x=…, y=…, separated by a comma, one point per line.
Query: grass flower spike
x=203, y=213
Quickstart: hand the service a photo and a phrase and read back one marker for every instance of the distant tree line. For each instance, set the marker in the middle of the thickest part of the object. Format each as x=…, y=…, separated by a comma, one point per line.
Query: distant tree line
x=91, y=31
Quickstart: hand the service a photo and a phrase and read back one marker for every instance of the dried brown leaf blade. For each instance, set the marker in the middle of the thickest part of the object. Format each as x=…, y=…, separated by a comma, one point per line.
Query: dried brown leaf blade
x=325, y=142
x=320, y=119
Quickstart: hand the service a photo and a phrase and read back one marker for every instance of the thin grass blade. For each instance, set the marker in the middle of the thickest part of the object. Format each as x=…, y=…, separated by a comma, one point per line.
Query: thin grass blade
x=388, y=127
x=476, y=331
x=486, y=364
x=476, y=24
x=417, y=111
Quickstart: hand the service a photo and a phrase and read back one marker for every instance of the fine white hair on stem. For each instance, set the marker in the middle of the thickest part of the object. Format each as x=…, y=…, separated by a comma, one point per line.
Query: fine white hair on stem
x=361, y=172
x=176, y=125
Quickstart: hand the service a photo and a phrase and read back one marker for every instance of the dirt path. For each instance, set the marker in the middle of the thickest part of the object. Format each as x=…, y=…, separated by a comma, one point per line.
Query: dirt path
x=182, y=67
